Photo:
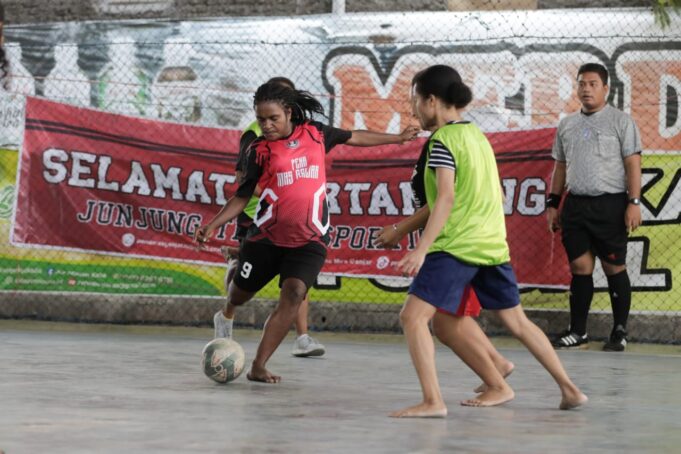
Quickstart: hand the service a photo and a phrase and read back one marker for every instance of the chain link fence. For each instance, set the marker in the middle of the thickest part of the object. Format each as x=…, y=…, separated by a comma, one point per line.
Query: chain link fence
x=119, y=138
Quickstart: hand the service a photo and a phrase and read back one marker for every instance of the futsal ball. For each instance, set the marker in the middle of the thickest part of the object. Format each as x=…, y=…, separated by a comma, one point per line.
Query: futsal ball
x=223, y=360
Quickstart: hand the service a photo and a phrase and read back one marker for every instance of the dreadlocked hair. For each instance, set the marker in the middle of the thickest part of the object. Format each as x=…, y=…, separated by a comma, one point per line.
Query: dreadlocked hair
x=301, y=103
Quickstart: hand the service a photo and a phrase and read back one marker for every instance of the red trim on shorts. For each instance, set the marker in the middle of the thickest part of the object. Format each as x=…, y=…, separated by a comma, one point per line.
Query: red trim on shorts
x=469, y=306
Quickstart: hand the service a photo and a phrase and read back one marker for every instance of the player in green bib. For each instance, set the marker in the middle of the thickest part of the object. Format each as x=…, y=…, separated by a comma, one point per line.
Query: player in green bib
x=304, y=345
x=249, y=135
x=463, y=244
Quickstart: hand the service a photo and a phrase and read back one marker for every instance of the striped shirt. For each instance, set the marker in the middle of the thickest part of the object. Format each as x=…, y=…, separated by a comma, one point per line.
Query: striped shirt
x=440, y=156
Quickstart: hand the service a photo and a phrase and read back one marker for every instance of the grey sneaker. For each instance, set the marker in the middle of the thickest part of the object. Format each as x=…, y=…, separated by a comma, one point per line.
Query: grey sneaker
x=307, y=346
x=222, y=325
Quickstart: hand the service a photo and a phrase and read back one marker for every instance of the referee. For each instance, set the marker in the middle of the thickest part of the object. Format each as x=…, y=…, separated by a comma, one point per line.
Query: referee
x=597, y=153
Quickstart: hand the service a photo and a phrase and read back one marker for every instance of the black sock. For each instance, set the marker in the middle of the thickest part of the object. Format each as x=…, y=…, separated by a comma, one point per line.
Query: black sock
x=620, y=297
x=581, y=294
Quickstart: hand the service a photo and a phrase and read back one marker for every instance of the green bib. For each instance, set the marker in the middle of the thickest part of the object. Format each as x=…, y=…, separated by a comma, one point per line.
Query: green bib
x=253, y=203
x=475, y=231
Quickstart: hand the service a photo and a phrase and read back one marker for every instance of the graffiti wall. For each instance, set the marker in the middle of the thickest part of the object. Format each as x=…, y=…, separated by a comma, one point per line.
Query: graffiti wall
x=199, y=76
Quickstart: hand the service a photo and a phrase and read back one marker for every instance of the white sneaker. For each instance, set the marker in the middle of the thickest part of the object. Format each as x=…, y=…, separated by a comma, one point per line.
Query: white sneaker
x=307, y=346
x=223, y=326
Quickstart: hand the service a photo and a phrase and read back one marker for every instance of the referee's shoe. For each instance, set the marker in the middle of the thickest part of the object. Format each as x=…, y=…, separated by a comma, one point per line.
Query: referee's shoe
x=568, y=339
x=617, y=341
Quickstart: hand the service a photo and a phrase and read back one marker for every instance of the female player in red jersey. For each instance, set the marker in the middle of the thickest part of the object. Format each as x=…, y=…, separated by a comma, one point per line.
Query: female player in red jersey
x=291, y=224
x=304, y=345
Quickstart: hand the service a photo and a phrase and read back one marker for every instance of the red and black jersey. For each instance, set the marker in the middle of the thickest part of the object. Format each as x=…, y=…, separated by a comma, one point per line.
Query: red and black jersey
x=291, y=173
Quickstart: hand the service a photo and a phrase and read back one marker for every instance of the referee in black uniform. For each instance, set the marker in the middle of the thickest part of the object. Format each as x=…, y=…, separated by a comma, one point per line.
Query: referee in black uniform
x=597, y=154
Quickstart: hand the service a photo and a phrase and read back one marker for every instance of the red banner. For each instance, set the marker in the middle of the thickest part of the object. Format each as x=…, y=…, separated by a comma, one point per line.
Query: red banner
x=100, y=182
x=369, y=188
x=106, y=183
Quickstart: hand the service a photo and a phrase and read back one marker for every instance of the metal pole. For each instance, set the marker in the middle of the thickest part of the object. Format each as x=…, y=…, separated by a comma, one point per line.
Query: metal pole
x=338, y=7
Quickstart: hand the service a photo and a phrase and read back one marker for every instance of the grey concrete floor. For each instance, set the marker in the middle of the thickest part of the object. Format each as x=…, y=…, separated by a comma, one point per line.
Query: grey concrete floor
x=114, y=389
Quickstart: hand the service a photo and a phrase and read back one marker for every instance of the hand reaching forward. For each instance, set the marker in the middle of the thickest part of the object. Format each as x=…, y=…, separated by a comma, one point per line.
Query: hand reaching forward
x=410, y=133
x=388, y=237
x=202, y=235
x=411, y=263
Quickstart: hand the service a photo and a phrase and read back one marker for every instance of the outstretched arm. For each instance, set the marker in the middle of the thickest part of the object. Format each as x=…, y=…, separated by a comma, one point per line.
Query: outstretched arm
x=362, y=138
x=229, y=211
x=392, y=234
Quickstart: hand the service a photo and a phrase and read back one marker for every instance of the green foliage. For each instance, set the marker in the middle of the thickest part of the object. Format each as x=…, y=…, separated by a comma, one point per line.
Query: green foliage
x=661, y=11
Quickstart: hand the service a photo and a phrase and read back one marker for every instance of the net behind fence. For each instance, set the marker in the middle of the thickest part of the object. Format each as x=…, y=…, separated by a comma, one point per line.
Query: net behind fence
x=120, y=138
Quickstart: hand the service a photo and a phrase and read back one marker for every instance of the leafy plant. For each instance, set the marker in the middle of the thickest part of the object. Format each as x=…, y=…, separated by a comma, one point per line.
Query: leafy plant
x=661, y=10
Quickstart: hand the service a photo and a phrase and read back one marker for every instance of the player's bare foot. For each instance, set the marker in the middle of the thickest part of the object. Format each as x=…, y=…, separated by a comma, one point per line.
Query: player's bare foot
x=505, y=371
x=572, y=399
x=262, y=375
x=422, y=410
x=490, y=398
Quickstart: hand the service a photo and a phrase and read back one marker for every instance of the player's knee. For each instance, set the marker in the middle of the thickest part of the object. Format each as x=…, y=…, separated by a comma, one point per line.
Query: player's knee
x=409, y=317
x=293, y=292
x=610, y=270
x=405, y=317
x=515, y=321
x=236, y=296
x=582, y=265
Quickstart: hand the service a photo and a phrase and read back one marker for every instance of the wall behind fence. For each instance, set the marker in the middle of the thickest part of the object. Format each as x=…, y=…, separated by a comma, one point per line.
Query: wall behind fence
x=39, y=11
x=99, y=209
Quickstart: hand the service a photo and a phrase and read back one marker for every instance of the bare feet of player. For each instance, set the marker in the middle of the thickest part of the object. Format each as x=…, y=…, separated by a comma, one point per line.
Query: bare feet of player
x=422, y=410
x=505, y=370
x=572, y=398
x=258, y=373
x=490, y=398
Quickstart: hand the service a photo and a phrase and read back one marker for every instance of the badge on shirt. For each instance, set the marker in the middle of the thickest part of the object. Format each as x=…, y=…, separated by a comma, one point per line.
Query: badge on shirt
x=292, y=144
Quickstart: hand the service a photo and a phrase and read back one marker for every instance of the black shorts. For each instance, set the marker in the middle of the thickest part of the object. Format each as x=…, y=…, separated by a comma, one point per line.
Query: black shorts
x=595, y=224
x=259, y=262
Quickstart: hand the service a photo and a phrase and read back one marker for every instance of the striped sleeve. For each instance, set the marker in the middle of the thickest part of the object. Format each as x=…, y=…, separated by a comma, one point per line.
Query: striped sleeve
x=440, y=156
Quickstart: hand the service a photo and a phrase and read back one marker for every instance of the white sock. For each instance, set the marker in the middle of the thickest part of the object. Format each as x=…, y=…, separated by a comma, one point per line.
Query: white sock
x=229, y=324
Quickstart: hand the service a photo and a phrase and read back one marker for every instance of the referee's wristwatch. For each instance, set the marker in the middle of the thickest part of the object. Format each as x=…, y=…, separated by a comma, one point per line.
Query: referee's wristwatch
x=635, y=201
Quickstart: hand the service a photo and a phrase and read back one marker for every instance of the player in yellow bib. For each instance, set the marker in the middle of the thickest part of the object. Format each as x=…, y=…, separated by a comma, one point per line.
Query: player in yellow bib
x=463, y=244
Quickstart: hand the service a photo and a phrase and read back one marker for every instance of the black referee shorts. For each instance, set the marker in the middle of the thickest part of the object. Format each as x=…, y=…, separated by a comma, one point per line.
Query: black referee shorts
x=260, y=262
x=595, y=224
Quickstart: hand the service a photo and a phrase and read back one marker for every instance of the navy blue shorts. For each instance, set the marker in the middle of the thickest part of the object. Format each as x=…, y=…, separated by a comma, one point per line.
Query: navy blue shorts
x=443, y=278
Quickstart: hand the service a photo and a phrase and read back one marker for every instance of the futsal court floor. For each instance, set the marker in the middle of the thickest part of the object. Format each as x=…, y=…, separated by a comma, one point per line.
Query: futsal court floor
x=71, y=388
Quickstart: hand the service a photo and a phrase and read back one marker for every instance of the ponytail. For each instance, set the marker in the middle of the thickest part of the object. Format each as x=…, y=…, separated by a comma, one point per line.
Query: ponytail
x=458, y=95
x=445, y=83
